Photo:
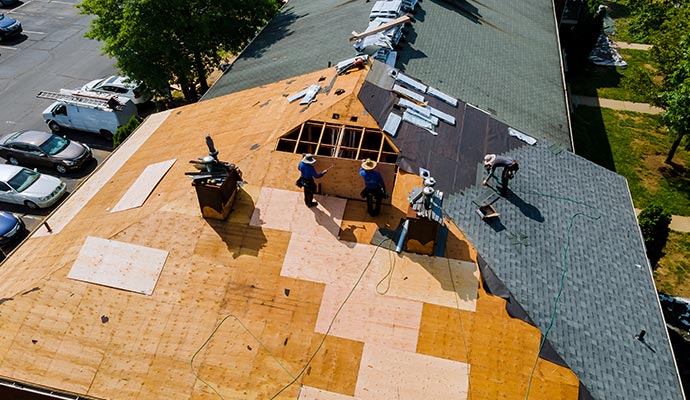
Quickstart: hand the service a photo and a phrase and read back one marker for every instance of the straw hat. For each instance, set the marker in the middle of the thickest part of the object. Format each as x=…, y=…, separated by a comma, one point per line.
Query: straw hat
x=308, y=159
x=489, y=159
x=368, y=164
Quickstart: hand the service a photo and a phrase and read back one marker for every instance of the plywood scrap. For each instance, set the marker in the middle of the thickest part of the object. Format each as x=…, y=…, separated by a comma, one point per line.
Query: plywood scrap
x=120, y=265
x=396, y=374
x=140, y=190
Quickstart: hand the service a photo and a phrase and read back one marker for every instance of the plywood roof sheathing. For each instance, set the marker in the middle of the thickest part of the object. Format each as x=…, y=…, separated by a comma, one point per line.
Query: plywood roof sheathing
x=143, y=186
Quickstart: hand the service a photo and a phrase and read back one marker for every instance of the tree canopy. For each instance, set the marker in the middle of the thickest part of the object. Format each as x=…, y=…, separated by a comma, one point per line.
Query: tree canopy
x=666, y=24
x=164, y=42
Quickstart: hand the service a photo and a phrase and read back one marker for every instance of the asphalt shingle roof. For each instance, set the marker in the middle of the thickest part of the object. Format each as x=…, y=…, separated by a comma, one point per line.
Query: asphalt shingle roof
x=303, y=38
x=561, y=201
x=501, y=56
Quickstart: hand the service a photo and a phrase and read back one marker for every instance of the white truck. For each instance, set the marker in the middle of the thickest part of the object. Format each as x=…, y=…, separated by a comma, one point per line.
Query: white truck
x=86, y=111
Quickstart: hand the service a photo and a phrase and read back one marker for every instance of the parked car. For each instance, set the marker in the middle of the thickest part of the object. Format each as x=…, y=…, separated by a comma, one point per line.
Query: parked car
x=122, y=86
x=44, y=149
x=10, y=227
x=9, y=27
x=6, y=3
x=19, y=185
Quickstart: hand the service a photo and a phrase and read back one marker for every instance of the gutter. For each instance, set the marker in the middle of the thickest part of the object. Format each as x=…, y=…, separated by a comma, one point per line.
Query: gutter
x=658, y=302
x=565, y=86
x=39, y=391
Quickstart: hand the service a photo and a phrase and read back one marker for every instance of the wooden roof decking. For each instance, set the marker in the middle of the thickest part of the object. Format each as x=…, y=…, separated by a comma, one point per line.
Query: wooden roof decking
x=96, y=341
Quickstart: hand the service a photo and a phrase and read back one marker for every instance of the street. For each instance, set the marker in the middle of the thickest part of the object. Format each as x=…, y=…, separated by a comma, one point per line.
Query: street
x=51, y=54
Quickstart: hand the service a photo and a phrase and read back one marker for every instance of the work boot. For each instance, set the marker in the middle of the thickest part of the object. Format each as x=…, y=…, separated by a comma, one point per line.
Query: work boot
x=312, y=204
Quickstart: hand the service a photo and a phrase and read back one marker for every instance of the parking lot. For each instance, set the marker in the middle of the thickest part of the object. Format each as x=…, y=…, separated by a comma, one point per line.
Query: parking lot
x=50, y=54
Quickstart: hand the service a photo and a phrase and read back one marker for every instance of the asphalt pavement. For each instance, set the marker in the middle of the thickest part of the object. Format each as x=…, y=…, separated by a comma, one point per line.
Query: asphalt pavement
x=51, y=54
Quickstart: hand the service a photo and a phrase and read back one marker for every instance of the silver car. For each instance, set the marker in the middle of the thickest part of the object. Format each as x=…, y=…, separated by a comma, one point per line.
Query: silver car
x=121, y=86
x=19, y=185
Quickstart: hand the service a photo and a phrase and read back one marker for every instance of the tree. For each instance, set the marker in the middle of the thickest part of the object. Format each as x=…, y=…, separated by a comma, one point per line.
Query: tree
x=125, y=130
x=666, y=24
x=161, y=42
x=654, y=223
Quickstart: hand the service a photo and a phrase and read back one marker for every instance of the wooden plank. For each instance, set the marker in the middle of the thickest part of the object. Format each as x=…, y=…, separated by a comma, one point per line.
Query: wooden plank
x=120, y=265
x=310, y=393
x=383, y=27
x=396, y=374
x=140, y=190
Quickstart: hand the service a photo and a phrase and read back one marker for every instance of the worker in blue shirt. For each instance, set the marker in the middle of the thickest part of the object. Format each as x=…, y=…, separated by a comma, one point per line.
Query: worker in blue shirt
x=374, y=187
x=509, y=165
x=306, y=180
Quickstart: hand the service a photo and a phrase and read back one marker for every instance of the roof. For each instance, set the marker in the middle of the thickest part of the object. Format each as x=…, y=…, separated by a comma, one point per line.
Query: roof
x=502, y=61
x=567, y=218
x=250, y=302
x=305, y=37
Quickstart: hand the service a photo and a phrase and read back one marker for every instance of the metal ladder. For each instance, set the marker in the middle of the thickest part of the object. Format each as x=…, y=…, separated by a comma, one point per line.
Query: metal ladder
x=93, y=100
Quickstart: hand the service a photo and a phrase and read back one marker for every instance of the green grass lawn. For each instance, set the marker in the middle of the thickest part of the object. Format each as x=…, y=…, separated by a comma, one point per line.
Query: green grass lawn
x=635, y=145
x=606, y=82
x=673, y=274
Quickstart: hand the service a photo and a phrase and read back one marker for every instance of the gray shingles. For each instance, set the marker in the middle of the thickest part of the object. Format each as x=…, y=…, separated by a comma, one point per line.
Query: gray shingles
x=505, y=60
x=606, y=298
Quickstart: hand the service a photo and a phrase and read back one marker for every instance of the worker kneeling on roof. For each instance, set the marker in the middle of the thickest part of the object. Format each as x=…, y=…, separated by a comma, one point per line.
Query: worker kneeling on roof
x=374, y=187
x=509, y=165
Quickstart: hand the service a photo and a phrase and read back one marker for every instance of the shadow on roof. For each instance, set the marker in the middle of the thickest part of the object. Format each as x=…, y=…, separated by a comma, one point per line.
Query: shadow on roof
x=463, y=8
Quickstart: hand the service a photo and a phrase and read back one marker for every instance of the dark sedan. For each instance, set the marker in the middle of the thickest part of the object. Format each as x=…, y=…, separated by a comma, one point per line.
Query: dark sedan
x=44, y=149
x=10, y=227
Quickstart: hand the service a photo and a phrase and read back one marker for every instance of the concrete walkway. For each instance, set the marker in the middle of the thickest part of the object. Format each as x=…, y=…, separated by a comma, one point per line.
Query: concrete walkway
x=679, y=223
x=616, y=104
x=633, y=46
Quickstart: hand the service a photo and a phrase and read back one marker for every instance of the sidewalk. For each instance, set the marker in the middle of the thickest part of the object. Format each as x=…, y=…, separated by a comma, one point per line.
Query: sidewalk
x=633, y=46
x=616, y=104
x=679, y=223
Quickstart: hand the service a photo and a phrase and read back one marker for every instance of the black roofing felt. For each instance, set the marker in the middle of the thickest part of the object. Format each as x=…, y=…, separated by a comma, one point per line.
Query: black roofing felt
x=502, y=56
x=565, y=209
x=453, y=154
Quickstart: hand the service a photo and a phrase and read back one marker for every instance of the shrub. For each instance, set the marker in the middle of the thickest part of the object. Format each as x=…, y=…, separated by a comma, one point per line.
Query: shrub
x=125, y=130
x=654, y=222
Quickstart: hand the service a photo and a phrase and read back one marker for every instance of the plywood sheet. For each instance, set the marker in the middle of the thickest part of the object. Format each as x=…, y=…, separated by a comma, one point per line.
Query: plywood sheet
x=327, y=260
x=285, y=210
x=120, y=265
x=310, y=393
x=366, y=316
x=140, y=190
x=95, y=183
x=394, y=374
x=435, y=280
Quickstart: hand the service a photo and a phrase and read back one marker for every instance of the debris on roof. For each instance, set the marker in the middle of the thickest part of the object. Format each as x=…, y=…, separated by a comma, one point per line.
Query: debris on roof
x=307, y=95
x=355, y=62
x=524, y=137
